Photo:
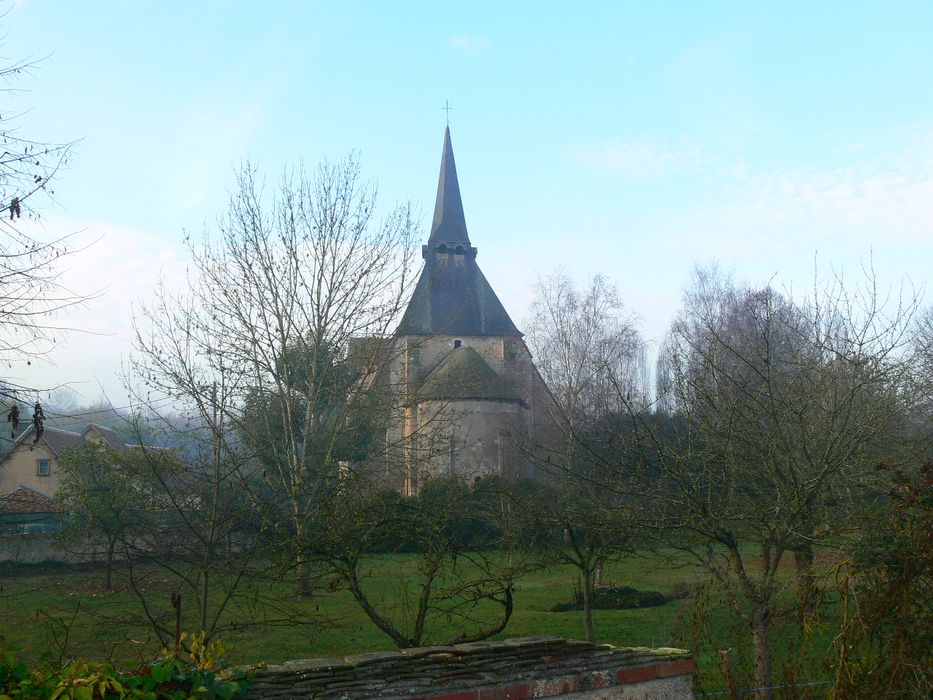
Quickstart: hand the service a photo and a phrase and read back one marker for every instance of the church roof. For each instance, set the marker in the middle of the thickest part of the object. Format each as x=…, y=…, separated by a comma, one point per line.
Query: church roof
x=449, y=225
x=455, y=300
x=463, y=374
x=452, y=296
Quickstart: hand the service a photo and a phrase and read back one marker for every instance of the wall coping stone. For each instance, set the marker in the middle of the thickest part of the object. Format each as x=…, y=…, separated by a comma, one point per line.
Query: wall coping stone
x=510, y=669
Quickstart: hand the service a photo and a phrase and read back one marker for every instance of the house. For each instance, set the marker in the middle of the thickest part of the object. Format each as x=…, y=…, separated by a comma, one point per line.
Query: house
x=472, y=401
x=34, y=465
x=26, y=511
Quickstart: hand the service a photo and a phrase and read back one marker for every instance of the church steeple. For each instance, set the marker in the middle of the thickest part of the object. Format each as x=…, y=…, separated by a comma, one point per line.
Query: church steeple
x=449, y=225
x=452, y=296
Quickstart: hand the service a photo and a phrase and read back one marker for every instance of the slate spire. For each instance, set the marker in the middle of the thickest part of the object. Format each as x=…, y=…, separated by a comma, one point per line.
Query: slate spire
x=452, y=296
x=449, y=224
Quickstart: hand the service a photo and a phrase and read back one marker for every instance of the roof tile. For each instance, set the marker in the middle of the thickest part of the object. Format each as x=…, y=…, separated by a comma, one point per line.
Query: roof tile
x=26, y=500
x=464, y=374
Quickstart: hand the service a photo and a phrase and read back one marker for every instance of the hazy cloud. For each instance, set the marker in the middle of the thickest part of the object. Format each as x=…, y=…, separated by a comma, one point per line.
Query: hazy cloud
x=868, y=200
x=468, y=43
x=118, y=267
x=639, y=158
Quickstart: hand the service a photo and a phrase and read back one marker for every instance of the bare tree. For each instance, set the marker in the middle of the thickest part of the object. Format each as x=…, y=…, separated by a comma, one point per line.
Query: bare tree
x=202, y=528
x=99, y=492
x=461, y=591
x=573, y=519
x=592, y=356
x=781, y=409
x=31, y=291
x=922, y=379
x=587, y=349
x=278, y=296
x=28, y=167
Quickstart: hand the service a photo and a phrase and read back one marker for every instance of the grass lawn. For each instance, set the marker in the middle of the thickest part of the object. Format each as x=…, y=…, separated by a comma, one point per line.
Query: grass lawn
x=42, y=605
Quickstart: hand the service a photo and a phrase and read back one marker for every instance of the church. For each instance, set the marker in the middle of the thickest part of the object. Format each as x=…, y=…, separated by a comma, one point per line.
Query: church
x=471, y=402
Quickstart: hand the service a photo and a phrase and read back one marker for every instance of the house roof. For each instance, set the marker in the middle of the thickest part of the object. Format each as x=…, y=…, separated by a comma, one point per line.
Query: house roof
x=452, y=296
x=106, y=434
x=54, y=438
x=463, y=374
x=57, y=439
x=26, y=500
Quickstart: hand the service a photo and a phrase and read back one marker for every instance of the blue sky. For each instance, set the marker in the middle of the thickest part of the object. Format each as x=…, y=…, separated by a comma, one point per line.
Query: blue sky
x=634, y=139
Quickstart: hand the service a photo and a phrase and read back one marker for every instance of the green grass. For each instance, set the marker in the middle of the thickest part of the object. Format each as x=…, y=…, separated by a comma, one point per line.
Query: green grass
x=38, y=603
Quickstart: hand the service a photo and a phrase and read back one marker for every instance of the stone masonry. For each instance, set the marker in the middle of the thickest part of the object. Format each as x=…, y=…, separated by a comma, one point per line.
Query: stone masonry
x=513, y=669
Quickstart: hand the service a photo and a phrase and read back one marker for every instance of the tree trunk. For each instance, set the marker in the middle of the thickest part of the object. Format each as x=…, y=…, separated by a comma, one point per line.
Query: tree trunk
x=588, y=605
x=806, y=581
x=303, y=570
x=303, y=579
x=761, y=643
x=205, y=592
x=108, y=575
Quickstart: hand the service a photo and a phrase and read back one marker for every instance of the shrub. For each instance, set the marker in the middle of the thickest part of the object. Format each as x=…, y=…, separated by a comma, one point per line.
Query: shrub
x=615, y=599
x=884, y=648
x=176, y=675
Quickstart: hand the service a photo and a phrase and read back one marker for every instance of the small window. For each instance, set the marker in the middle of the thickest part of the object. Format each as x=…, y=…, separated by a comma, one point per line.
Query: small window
x=42, y=467
x=452, y=446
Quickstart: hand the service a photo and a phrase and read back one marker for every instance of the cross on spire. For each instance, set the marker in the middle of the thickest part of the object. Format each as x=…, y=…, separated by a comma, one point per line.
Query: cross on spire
x=447, y=109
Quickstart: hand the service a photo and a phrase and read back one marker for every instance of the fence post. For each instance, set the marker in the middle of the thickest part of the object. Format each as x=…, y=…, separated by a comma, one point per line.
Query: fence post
x=728, y=673
x=176, y=603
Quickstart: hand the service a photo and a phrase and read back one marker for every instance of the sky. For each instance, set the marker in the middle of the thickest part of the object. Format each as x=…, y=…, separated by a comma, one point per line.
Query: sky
x=632, y=139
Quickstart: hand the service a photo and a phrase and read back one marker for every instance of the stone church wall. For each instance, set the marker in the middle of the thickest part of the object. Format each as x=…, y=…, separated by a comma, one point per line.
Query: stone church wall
x=475, y=437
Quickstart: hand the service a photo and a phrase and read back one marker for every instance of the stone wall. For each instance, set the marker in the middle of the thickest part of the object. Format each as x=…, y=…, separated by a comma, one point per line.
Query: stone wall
x=477, y=446
x=42, y=547
x=485, y=436
x=513, y=669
